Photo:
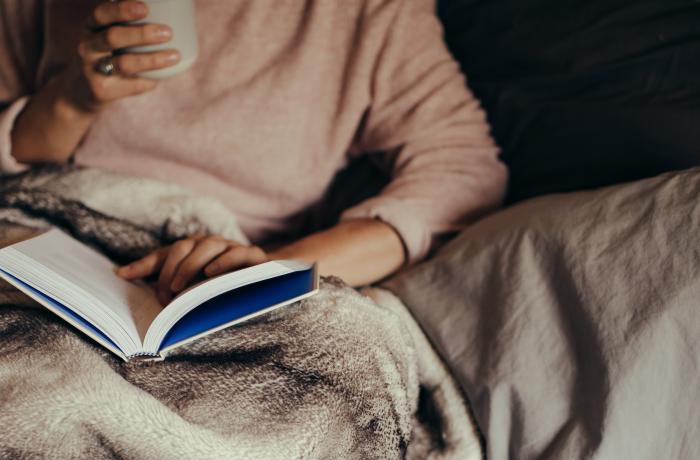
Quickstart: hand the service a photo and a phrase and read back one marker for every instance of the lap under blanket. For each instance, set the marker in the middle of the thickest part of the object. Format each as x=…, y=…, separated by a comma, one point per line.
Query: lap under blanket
x=335, y=376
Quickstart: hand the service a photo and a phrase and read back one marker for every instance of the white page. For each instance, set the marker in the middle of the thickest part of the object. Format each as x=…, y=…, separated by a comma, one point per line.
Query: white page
x=57, y=307
x=134, y=306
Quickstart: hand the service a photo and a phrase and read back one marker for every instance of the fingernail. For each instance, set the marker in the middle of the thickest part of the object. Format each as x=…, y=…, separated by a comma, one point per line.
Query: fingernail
x=175, y=286
x=138, y=9
x=172, y=57
x=163, y=32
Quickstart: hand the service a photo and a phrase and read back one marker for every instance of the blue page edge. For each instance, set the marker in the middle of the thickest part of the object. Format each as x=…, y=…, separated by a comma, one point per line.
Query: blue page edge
x=239, y=303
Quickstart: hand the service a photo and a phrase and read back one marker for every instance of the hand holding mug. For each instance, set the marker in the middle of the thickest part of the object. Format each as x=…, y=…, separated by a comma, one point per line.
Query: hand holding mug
x=118, y=51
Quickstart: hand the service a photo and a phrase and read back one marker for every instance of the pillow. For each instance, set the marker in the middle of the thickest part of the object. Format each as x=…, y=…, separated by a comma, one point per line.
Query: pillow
x=572, y=321
x=583, y=94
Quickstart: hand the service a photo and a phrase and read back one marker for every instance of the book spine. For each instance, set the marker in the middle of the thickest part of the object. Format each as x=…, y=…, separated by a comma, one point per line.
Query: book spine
x=144, y=356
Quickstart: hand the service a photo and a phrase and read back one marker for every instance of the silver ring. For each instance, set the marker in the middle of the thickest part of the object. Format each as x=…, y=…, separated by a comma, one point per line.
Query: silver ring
x=106, y=67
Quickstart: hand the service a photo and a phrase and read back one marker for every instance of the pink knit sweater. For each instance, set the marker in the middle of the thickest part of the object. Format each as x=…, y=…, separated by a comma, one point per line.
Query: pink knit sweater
x=284, y=94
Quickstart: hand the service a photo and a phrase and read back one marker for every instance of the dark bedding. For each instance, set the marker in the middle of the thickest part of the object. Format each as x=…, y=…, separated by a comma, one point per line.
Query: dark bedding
x=573, y=322
x=583, y=94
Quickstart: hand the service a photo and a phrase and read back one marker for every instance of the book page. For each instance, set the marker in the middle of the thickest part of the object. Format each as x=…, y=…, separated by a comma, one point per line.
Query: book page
x=132, y=305
x=208, y=289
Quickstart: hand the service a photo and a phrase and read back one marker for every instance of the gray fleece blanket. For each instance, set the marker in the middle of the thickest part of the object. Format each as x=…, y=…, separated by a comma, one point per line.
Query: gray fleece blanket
x=340, y=375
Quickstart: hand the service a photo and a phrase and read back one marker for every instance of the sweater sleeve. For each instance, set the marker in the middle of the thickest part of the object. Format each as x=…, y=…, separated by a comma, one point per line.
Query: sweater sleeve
x=20, y=51
x=445, y=167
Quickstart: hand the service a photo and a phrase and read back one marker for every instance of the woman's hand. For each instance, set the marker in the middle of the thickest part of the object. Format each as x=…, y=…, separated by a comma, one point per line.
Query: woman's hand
x=187, y=260
x=58, y=116
x=106, y=31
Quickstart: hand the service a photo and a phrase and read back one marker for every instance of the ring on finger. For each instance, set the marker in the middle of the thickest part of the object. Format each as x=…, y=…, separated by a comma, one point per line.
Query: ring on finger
x=105, y=66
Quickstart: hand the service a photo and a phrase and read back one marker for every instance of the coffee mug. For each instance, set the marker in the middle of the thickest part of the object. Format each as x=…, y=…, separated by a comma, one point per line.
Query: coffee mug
x=180, y=15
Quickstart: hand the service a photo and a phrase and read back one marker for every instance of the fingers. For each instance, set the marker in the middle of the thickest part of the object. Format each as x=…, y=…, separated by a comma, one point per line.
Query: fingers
x=118, y=37
x=108, y=13
x=133, y=63
x=107, y=89
x=181, y=262
x=104, y=43
x=234, y=258
x=177, y=253
x=144, y=267
x=205, y=251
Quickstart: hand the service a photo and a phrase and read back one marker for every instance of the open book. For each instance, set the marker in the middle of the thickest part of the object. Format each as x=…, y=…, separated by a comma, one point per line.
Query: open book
x=79, y=284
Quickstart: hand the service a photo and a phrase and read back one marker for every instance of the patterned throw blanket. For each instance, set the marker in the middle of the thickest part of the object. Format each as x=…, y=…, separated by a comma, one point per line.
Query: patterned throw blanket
x=336, y=376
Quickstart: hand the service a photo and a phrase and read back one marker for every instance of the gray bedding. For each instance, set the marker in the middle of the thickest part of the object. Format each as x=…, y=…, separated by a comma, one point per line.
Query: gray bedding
x=572, y=322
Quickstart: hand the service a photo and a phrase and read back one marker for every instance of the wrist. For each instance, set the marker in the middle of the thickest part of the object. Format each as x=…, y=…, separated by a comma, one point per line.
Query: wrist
x=71, y=100
x=51, y=125
x=291, y=251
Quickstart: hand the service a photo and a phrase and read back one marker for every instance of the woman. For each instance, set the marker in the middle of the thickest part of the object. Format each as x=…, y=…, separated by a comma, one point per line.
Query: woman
x=284, y=95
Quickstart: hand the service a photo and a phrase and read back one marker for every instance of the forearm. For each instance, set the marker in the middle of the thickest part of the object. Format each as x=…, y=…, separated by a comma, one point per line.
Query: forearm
x=49, y=128
x=358, y=251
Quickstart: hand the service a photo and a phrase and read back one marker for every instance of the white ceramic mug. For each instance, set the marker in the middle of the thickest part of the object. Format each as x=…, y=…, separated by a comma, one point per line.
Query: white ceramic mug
x=180, y=15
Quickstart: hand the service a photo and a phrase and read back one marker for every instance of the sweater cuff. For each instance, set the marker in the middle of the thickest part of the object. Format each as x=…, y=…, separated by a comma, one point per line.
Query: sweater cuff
x=414, y=234
x=8, y=164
